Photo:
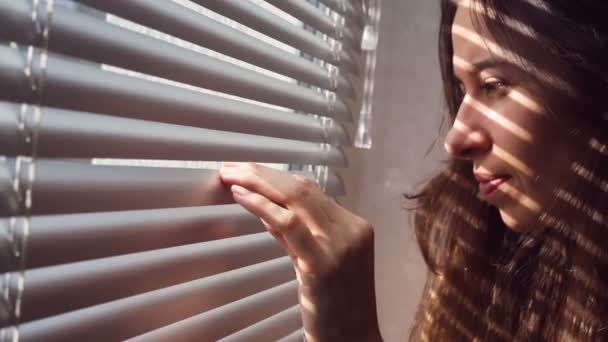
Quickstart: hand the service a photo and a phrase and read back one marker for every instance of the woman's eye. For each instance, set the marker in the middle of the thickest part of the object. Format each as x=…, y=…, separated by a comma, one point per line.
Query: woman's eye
x=495, y=87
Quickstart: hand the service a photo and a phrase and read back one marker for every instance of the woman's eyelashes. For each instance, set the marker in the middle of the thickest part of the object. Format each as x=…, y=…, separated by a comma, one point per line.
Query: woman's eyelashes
x=491, y=87
x=494, y=87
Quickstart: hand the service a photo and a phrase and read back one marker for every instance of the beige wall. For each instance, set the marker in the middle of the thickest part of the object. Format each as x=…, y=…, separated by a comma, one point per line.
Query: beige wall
x=407, y=110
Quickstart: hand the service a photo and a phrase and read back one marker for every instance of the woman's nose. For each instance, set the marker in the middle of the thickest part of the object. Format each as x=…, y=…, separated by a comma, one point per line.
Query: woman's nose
x=467, y=141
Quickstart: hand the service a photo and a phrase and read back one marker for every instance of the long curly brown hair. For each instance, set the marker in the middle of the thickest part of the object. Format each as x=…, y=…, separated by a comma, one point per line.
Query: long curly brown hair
x=487, y=282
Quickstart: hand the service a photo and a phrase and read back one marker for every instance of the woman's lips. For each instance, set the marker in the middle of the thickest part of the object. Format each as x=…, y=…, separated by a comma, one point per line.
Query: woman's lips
x=489, y=183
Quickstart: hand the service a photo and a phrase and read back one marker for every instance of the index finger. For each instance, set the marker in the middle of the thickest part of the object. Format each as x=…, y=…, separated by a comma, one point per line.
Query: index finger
x=278, y=186
x=294, y=192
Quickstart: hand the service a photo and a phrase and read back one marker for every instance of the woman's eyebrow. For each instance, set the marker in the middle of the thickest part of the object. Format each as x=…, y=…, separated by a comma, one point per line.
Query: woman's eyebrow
x=479, y=66
x=491, y=63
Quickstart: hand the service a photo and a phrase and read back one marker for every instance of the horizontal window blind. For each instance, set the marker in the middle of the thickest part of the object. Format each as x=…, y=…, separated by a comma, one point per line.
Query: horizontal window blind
x=279, y=325
x=295, y=336
x=114, y=115
x=334, y=26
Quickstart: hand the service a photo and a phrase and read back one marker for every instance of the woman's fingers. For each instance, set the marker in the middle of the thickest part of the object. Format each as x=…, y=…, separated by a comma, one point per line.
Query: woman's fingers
x=300, y=241
x=279, y=237
x=278, y=186
x=254, y=177
x=294, y=192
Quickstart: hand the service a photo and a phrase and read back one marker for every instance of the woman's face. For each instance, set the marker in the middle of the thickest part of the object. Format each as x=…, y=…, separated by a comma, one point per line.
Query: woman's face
x=502, y=128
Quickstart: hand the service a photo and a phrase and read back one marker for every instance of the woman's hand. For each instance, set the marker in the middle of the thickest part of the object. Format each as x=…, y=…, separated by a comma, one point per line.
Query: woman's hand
x=331, y=248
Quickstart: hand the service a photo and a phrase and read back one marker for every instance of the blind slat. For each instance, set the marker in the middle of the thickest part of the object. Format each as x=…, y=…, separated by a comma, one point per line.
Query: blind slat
x=94, y=36
x=296, y=336
x=348, y=8
x=270, y=329
x=88, y=88
x=138, y=314
x=69, y=134
x=16, y=26
x=93, y=39
x=313, y=16
x=75, y=186
x=217, y=323
x=56, y=289
x=14, y=84
x=252, y=15
x=176, y=20
x=64, y=76
x=57, y=239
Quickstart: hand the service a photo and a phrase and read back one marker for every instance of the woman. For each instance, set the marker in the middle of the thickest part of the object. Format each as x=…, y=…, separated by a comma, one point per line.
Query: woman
x=514, y=231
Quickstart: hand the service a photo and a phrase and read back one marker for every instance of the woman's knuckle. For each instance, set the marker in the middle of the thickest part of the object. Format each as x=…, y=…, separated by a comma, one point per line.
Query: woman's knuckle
x=360, y=223
x=365, y=226
x=303, y=187
x=303, y=181
x=363, y=229
x=290, y=221
x=249, y=179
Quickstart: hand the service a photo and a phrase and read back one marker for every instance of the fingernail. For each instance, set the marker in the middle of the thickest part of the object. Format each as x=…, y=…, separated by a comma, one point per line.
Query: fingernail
x=239, y=190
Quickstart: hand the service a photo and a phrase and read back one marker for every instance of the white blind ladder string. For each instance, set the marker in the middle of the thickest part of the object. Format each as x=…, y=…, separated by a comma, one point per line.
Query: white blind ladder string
x=339, y=25
x=321, y=173
x=30, y=118
x=36, y=73
x=369, y=44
